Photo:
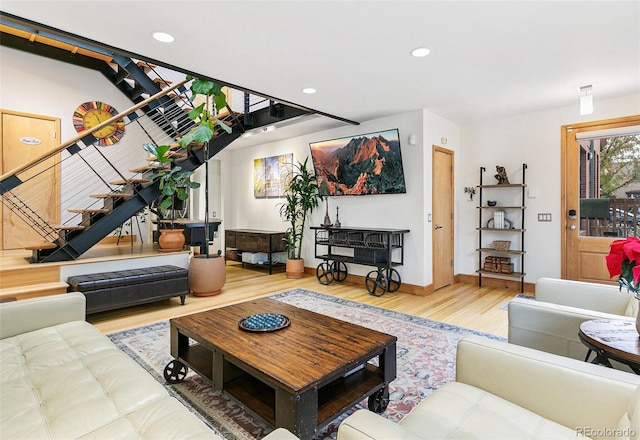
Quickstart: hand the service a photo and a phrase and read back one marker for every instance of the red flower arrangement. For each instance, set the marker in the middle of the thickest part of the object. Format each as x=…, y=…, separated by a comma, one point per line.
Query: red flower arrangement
x=623, y=259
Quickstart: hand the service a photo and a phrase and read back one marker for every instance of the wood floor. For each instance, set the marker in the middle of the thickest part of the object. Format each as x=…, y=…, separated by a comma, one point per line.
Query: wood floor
x=461, y=304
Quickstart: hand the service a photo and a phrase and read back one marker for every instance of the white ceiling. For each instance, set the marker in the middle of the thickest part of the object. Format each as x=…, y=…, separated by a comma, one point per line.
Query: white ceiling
x=488, y=58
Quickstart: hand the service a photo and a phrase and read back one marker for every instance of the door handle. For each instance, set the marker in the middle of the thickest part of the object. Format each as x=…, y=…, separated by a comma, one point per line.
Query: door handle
x=437, y=227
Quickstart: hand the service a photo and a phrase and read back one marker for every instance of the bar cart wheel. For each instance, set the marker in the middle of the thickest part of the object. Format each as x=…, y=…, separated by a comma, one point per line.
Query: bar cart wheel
x=379, y=400
x=175, y=372
x=393, y=279
x=376, y=282
x=324, y=274
x=339, y=271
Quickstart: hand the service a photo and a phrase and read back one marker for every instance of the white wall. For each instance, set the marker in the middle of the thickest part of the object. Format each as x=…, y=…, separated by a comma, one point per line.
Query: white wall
x=242, y=210
x=534, y=139
x=38, y=85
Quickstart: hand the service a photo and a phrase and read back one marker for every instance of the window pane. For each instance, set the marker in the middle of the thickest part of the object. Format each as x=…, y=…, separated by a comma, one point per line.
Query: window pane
x=610, y=186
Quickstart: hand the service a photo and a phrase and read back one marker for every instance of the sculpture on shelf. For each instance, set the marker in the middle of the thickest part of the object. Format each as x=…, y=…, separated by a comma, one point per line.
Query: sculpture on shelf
x=327, y=221
x=501, y=177
x=337, y=223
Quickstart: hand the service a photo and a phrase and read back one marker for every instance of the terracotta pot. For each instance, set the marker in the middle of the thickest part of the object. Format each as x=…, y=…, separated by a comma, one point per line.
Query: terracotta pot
x=171, y=240
x=206, y=275
x=294, y=268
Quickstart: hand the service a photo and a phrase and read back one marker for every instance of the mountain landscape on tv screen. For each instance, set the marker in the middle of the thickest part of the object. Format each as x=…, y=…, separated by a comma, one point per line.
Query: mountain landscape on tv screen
x=365, y=165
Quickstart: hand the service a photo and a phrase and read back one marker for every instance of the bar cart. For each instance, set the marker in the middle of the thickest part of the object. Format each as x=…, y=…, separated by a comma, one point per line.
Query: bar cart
x=381, y=248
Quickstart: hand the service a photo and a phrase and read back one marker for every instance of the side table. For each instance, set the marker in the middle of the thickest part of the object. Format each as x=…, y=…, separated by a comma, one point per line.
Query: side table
x=612, y=339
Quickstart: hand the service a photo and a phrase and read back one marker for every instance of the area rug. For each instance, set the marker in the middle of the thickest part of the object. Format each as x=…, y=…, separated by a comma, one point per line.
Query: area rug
x=426, y=352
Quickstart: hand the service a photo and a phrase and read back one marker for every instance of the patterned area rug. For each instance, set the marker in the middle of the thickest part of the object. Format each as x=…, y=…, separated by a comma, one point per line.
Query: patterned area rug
x=425, y=360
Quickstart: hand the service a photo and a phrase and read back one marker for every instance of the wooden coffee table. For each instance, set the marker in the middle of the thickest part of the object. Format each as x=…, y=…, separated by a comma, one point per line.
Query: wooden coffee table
x=612, y=339
x=300, y=377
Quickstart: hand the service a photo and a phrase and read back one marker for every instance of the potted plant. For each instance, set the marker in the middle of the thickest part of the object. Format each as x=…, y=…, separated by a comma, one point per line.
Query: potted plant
x=301, y=196
x=174, y=184
x=207, y=272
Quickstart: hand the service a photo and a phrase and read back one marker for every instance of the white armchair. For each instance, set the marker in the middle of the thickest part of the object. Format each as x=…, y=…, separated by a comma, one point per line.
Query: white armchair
x=551, y=322
x=503, y=391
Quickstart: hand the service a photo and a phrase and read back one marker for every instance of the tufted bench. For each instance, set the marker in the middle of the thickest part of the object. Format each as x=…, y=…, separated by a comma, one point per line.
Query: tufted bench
x=123, y=288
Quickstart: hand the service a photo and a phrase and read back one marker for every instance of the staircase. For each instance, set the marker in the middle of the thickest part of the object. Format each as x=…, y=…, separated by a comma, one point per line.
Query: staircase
x=97, y=194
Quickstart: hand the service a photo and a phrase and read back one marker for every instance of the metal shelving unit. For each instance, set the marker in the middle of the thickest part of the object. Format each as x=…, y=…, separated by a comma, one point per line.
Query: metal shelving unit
x=517, y=229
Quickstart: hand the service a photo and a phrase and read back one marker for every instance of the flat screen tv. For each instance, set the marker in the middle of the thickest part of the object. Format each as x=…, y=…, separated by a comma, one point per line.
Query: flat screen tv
x=365, y=164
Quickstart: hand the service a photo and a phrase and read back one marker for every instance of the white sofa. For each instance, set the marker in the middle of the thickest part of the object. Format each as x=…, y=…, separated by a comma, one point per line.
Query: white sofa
x=551, y=322
x=506, y=392
x=60, y=378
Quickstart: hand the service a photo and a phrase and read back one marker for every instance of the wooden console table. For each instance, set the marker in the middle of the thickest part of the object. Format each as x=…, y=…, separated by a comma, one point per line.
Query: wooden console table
x=255, y=240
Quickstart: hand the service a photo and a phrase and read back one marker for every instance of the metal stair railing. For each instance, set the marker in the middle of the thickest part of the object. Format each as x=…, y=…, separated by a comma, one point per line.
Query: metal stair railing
x=80, y=168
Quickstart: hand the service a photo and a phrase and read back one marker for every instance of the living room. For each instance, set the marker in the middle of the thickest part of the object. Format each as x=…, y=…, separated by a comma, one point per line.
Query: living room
x=508, y=138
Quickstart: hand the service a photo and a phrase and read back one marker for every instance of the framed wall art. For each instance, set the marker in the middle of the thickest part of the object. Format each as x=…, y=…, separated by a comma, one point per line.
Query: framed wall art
x=270, y=175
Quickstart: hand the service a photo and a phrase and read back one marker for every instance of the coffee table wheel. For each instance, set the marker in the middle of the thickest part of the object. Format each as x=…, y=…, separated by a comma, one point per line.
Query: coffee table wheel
x=175, y=372
x=324, y=273
x=379, y=400
x=339, y=271
x=376, y=282
x=393, y=278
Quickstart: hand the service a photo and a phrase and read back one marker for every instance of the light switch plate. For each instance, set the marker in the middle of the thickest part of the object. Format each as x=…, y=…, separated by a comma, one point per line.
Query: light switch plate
x=544, y=217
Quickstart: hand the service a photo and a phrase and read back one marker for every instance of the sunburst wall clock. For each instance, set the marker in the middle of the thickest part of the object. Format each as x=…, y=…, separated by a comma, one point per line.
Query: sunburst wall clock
x=92, y=113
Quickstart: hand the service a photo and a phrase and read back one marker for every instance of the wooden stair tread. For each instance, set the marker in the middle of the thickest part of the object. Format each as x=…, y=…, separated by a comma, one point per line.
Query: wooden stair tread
x=89, y=211
x=144, y=168
x=126, y=181
x=113, y=195
x=145, y=65
x=35, y=246
x=168, y=154
x=225, y=114
x=68, y=227
x=162, y=82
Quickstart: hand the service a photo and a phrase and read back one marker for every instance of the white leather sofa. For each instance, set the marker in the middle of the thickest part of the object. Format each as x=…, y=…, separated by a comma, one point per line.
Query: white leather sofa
x=507, y=392
x=551, y=322
x=60, y=378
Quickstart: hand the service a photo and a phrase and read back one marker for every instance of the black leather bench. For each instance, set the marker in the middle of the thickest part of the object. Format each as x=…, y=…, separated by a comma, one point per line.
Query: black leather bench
x=123, y=288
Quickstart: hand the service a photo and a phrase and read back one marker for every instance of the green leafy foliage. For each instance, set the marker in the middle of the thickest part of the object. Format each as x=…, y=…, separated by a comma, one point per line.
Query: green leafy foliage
x=301, y=197
x=619, y=164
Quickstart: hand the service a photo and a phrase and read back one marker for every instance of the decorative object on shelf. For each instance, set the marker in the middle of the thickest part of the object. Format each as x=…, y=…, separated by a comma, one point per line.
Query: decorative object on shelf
x=491, y=203
x=622, y=261
x=264, y=322
x=337, y=223
x=498, y=264
x=501, y=245
x=327, y=221
x=501, y=177
x=301, y=197
x=92, y=113
x=471, y=191
x=507, y=224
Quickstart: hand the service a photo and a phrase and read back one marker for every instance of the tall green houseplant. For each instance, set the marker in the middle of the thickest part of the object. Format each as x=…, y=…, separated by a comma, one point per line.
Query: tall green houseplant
x=301, y=196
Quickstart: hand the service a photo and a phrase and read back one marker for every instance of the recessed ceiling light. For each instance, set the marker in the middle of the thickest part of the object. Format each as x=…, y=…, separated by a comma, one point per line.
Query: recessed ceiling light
x=163, y=37
x=309, y=90
x=420, y=52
